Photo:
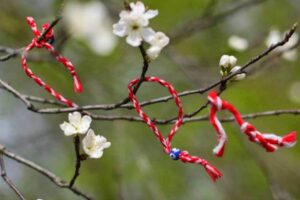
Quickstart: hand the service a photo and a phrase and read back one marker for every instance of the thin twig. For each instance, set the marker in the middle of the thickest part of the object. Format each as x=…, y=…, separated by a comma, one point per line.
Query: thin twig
x=207, y=21
x=11, y=53
x=188, y=118
x=52, y=177
x=17, y=94
x=78, y=160
x=7, y=180
x=53, y=23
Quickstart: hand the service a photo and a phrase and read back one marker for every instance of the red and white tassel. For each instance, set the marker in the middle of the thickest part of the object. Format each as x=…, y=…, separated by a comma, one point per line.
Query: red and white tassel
x=43, y=43
x=212, y=171
x=174, y=153
x=270, y=142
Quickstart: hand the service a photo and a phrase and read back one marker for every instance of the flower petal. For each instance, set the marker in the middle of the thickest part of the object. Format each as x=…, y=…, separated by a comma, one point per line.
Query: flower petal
x=290, y=55
x=96, y=154
x=124, y=14
x=75, y=118
x=93, y=145
x=273, y=38
x=138, y=7
x=106, y=145
x=240, y=77
x=120, y=29
x=153, y=52
x=134, y=39
x=235, y=69
x=148, y=34
x=238, y=43
x=68, y=129
x=151, y=14
x=85, y=124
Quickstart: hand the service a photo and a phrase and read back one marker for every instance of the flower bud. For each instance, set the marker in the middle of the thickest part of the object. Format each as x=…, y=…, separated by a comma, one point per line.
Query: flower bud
x=227, y=61
x=238, y=77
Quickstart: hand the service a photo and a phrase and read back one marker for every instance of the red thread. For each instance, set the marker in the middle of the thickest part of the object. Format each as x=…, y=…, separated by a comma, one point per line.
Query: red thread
x=268, y=141
x=43, y=43
x=174, y=153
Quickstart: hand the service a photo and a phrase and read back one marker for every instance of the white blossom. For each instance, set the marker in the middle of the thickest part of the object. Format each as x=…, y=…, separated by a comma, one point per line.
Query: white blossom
x=237, y=77
x=294, y=92
x=134, y=24
x=238, y=43
x=76, y=124
x=273, y=37
x=158, y=41
x=290, y=55
x=93, y=145
x=227, y=61
x=228, y=66
x=90, y=22
x=287, y=53
x=153, y=52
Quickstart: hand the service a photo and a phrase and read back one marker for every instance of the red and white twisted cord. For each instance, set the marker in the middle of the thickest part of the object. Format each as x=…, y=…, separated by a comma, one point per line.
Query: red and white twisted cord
x=270, y=142
x=174, y=153
x=43, y=43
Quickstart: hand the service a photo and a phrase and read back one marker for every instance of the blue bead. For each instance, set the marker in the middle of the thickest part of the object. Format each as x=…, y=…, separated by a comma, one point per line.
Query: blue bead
x=175, y=153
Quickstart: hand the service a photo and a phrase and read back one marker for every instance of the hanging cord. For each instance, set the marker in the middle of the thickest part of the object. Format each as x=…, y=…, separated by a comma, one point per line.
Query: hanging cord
x=270, y=142
x=174, y=153
x=44, y=42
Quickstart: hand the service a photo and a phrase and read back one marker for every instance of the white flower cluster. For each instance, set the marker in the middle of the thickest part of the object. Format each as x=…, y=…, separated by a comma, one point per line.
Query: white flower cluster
x=228, y=66
x=90, y=22
x=288, y=53
x=93, y=145
x=134, y=24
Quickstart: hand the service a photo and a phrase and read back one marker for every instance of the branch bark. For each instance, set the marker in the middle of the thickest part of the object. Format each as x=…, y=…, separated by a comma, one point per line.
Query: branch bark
x=52, y=177
x=7, y=180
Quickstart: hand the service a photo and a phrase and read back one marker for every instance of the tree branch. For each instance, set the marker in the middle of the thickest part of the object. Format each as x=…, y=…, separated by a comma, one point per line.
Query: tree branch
x=52, y=177
x=206, y=21
x=7, y=180
x=78, y=160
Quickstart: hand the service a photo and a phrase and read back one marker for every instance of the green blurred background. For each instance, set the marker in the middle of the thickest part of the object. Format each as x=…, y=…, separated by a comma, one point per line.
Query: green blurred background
x=135, y=166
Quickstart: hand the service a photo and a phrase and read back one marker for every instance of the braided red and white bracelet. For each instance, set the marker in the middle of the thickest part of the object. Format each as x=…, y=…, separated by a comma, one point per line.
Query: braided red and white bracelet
x=268, y=141
x=44, y=43
x=174, y=153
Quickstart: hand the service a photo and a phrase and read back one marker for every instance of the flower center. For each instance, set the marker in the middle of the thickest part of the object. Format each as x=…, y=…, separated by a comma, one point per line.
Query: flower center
x=135, y=27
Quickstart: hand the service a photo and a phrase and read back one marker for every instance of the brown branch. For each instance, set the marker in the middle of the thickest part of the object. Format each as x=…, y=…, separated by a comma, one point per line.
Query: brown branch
x=275, y=56
x=188, y=118
x=78, y=160
x=17, y=94
x=286, y=38
x=52, y=177
x=42, y=100
x=223, y=82
x=10, y=53
x=207, y=21
x=7, y=180
x=246, y=116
